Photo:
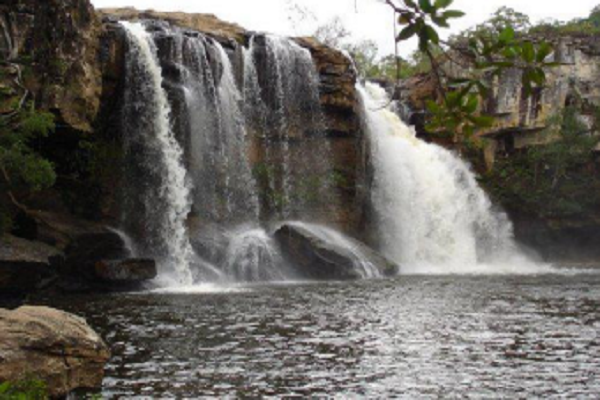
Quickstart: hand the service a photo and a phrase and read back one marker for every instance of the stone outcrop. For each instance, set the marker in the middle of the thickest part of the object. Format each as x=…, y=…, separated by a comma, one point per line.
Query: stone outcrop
x=55, y=43
x=25, y=265
x=317, y=257
x=204, y=23
x=53, y=346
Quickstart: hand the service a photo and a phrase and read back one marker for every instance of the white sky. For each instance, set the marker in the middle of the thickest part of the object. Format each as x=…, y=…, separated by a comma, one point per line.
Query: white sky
x=371, y=20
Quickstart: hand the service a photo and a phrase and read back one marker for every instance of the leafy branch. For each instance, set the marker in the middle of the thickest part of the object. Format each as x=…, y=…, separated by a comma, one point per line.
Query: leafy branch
x=457, y=111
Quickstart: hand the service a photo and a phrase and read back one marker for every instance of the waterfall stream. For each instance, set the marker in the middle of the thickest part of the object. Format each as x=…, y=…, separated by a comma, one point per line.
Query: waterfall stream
x=158, y=179
x=432, y=216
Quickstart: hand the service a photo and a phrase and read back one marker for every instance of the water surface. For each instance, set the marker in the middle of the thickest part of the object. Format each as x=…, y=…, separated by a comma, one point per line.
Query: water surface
x=410, y=337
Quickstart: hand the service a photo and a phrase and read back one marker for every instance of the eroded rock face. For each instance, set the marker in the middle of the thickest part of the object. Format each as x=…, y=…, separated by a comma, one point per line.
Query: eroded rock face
x=56, y=42
x=25, y=264
x=53, y=346
x=317, y=257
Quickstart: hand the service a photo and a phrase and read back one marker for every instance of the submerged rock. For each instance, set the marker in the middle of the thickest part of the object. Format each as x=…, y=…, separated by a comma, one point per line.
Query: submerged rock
x=53, y=346
x=320, y=253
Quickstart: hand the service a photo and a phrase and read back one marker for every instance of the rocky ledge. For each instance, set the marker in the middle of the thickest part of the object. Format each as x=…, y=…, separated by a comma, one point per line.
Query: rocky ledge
x=320, y=254
x=52, y=346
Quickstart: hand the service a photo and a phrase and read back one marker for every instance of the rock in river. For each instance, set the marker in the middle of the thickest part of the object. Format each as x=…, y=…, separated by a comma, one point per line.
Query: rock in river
x=322, y=253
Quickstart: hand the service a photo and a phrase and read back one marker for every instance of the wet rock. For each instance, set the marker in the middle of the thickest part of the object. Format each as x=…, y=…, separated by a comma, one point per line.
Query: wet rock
x=53, y=346
x=316, y=257
x=129, y=271
x=25, y=265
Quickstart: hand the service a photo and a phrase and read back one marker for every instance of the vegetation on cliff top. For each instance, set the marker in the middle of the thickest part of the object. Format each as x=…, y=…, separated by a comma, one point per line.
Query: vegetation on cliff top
x=558, y=179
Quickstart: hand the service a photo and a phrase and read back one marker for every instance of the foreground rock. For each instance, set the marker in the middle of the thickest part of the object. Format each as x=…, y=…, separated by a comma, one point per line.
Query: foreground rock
x=25, y=264
x=53, y=346
x=324, y=255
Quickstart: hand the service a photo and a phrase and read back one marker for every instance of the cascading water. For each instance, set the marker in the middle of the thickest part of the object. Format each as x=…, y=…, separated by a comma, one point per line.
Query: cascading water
x=158, y=195
x=282, y=105
x=192, y=136
x=432, y=216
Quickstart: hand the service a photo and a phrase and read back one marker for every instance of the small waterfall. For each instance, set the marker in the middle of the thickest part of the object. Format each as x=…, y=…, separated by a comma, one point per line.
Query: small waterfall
x=432, y=215
x=158, y=194
x=253, y=256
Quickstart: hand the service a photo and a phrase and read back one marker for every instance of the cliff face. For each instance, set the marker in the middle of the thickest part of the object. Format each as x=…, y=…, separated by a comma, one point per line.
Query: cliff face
x=55, y=43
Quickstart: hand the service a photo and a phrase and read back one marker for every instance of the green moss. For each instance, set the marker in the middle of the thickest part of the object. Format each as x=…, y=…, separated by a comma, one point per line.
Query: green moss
x=29, y=389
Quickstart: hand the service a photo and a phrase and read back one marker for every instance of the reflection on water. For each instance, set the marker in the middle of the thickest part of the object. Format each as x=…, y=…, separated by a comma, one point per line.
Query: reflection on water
x=410, y=337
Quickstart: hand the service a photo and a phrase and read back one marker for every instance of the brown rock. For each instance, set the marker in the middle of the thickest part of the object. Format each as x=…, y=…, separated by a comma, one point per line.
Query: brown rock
x=205, y=23
x=128, y=271
x=53, y=346
x=24, y=264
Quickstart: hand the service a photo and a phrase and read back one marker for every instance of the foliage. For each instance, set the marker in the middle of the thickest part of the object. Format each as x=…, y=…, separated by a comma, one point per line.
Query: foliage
x=334, y=33
x=580, y=26
x=18, y=159
x=501, y=19
x=457, y=111
x=554, y=179
x=30, y=389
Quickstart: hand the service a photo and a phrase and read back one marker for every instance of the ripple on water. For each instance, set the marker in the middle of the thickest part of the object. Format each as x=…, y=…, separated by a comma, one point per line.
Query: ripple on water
x=413, y=337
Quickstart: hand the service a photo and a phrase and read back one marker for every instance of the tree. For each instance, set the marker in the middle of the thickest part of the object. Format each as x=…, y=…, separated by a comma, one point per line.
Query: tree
x=457, y=111
x=334, y=33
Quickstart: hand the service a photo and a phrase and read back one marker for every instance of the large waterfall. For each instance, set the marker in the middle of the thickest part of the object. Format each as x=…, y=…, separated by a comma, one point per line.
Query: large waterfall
x=432, y=216
x=219, y=144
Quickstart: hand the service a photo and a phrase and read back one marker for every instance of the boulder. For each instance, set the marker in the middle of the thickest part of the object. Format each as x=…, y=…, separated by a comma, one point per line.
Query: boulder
x=25, y=264
x=129, y=271
x=323, y=254
x=53, y=346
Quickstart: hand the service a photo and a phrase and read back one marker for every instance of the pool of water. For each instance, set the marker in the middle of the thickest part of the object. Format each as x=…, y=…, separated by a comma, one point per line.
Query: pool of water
x=410, y=337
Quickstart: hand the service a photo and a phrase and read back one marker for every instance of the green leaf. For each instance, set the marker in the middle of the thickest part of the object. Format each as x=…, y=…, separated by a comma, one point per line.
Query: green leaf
x=528, y=52
x=543, y=51
x=426, y=6
x=406, y=33
x=433, y=107
x=410, y=3
x=482, y=121
x=507, y=35
x=432, y=34
x=471, y=105
x=440, y=21
x=453, y=14
x=442, y=3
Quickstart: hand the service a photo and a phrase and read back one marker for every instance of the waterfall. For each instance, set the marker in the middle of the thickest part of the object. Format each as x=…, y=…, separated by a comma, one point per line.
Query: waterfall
x=158, y=195
x=282, y=106
x=219, y=140
x=432, y=216
x=253, y=256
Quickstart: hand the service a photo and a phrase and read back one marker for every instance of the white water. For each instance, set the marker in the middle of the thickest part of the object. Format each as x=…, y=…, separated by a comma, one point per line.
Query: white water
x=432, y=215
x=174, y=192
x=253, y=256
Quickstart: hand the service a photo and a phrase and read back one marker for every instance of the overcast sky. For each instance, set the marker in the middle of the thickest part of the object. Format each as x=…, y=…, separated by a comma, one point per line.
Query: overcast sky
x=371, y=19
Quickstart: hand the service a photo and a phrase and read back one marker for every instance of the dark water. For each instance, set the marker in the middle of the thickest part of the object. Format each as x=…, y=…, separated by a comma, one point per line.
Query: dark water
x=412, y=337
